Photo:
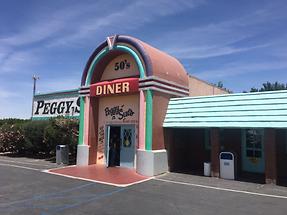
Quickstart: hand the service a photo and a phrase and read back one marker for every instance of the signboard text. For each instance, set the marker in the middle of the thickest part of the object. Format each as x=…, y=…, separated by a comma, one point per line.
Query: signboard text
x=118, y=112
x=57, y=107
x=121, y=86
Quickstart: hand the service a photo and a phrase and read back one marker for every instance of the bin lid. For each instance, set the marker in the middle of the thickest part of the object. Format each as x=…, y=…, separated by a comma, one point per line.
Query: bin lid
x=58, y=147
x=226, y=156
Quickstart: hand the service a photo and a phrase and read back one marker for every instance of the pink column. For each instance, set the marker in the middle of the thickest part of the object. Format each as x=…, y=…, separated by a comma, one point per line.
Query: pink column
x=142, y=121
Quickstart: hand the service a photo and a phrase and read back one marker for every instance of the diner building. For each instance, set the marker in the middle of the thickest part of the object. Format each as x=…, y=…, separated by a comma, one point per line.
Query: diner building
x=138, y=108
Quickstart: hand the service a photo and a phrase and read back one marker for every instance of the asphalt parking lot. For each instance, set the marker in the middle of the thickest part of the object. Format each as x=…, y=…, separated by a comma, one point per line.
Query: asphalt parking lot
x=25, y=189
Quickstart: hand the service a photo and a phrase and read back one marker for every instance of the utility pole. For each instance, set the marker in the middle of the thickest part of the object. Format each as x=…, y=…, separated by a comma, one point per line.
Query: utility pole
x=35, y=78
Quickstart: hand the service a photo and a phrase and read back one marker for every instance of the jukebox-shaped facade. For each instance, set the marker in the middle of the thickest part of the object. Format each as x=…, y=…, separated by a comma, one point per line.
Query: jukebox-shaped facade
x=126, y=86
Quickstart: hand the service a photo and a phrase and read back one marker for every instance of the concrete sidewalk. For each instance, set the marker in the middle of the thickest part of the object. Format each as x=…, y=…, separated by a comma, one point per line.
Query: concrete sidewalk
x=224, y=184
x=116, y=176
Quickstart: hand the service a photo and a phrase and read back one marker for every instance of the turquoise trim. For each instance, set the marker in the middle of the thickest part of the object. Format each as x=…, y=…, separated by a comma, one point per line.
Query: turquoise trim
x=104, y=52
x=82, y=120
x=268, y=94
x=47, y=118
x=93, y=64
x=135, y=56
x=72, y=91
x=59, y=96
x=149, y=112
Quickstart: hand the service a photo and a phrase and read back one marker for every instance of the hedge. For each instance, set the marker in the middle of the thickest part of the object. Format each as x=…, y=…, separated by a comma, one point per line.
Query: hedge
x=26, y=137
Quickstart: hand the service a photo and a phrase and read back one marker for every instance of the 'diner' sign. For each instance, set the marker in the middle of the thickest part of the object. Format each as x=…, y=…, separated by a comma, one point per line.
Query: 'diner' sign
x=120, y=86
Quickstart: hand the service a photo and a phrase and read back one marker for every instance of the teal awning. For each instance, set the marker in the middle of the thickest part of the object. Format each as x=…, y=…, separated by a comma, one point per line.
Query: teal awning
x=244, y=110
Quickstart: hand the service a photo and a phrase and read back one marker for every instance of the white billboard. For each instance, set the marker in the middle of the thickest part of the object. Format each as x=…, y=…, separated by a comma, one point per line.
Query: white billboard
x=53, y=107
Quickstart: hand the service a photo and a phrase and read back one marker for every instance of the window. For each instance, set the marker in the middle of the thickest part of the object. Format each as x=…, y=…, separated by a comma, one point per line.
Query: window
x=127, y=137
x=254, y=139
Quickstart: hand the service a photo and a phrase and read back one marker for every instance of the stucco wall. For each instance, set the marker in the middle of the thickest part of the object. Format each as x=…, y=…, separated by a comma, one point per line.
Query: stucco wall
x=129, y=70
x=199, y=87
x=160, y=103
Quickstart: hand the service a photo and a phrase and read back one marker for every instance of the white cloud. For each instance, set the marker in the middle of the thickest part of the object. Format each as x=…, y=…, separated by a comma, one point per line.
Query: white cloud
x=132, y=16
x=217, y=39
x=211, y=51
x=47, y=26
x=73, y=24
x=18, y=61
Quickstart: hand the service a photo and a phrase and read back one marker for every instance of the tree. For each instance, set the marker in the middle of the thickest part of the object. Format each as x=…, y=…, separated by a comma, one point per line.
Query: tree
x=268, y=86
x=221, y=86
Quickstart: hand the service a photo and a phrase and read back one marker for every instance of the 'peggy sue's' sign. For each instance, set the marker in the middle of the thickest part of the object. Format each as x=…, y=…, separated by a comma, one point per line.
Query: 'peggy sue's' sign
x=120, y=86
x=61, y=104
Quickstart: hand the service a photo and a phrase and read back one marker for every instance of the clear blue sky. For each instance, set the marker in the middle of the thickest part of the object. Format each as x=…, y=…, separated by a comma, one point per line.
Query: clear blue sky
x=241, y=43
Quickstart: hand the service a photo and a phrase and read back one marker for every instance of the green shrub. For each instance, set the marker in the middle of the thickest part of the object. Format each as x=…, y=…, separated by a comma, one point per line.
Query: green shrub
x=52, y=138
x=38, y=137
x=34, y=137
x=12, y=138
x=12, y=121
x=62, y=131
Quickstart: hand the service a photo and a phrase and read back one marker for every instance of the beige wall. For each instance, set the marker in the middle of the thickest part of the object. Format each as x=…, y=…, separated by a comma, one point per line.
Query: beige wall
x=198, y=87
x=109, y=118
x=111, y=73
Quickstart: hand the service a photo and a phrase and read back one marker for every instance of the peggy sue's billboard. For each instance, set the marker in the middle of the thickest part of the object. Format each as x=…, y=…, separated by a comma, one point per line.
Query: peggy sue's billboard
x=56, y=104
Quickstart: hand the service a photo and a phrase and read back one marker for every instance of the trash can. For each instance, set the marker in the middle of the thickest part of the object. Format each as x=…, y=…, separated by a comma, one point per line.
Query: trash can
x=206, y=169
x=62, y=154
x=227, y=166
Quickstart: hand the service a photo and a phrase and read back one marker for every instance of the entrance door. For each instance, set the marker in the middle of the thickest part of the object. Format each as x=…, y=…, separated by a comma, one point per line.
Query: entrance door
x=253, y=151
x=113, y=145
x=127, y=146
x=107, y=145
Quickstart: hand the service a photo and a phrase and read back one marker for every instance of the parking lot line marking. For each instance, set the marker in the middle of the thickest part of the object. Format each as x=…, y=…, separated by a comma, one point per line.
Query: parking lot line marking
x=22, y=167
x=45, y=196
x=61, y=167
x=35, y=164
x=96, y=181
x=222, y=189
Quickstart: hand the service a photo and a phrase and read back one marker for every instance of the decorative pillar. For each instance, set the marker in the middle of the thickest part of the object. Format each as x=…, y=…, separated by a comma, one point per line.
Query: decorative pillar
x=270, y=156
x=81, y=124
x=142, y=111
x=83, y=148
x=215, y=151
x=92, y=130
x=149, y=115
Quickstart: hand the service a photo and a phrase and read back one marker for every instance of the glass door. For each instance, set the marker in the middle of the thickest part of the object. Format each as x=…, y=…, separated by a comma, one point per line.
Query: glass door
x=127, y=154
x=253, y=151
x=107, y=145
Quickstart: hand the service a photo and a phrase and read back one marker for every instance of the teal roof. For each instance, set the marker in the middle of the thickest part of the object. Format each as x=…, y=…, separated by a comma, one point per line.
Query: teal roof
x=57, y=94
x=241, y=110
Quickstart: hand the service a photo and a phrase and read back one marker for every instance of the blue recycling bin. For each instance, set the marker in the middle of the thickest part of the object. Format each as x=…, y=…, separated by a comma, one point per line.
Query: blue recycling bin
x=227, y=165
